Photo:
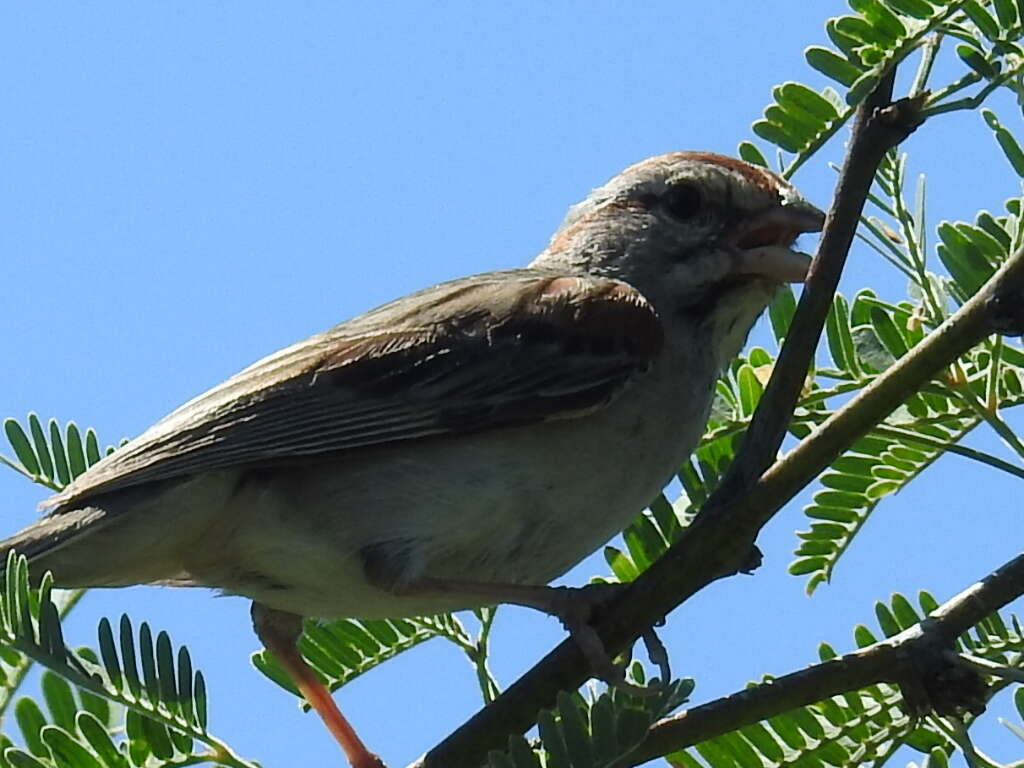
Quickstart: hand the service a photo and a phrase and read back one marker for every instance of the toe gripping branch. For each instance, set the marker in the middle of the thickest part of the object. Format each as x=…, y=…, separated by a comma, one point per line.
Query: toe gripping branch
x=576, y=607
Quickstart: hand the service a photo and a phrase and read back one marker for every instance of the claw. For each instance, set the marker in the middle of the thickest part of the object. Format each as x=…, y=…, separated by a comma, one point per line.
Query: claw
x=574, y=608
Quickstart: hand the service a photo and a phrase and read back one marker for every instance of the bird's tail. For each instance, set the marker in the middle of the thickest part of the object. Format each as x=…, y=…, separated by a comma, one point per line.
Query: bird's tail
x=49, y=546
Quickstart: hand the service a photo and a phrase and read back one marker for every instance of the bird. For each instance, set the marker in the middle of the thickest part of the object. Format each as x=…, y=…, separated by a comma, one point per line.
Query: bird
x=460, y=446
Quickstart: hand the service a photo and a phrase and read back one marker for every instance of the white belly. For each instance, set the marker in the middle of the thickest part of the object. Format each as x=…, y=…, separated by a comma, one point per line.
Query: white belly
x=518, y=505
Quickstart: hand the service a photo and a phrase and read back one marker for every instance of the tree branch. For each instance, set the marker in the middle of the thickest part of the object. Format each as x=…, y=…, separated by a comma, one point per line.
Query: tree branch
x=890, y=660
x=721, y=537
x=878, y=127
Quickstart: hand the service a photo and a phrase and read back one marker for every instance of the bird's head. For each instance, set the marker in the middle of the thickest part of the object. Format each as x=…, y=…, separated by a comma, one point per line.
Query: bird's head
x=702, y=236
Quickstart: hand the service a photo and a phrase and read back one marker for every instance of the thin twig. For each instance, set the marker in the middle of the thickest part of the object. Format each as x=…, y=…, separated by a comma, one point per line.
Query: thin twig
x=986, y=667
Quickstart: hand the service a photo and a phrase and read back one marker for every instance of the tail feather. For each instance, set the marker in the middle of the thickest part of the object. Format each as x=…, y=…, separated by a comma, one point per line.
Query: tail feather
x=138, y=535
x=44, y=541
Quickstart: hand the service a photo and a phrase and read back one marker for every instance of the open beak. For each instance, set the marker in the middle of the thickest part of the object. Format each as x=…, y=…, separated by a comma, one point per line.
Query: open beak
x=763, y=244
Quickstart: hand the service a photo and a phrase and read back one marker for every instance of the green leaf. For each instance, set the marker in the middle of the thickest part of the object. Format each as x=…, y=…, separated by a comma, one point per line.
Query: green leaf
x=924, y=739
x=554, y=743
x=816, y=547
x=976, y=61
x=22, y=447
x=881, y=18
x=158, y=738
x=148, y=659
x=781, y=311
x=574, y=730
x=199, y=697
x=59, y=700
x=850, y=46
x=1006, y=13
x=1007, y=142
x=888, y=333
x=842, y=482
x=89, y=702
x=749, y=152
x=863, y=637
x=30, y=721
x=108, y=652
x=904, y=612
x=185, y=684
x=886, y=620
x=882, y=488
x=861, y=87
x=765, y=743
x=739, y=748
x=138, y=745
x=997, y=231
x=839, y=499
x=165, y=672
x=66, y=751
x=840, y=340
x=800, y=125
x=750, y=389
x=834, y=514
x=131, y=672
x=92, y=447
x=860, y=30
x=854, y=465
x=19, y=759
x=602, y=726
x=832, y=65
x=807, y=565
x=982, y=19
x=645, y=542
x=825, y=531
x=919, y=9
x=665, y=516
x=807, y=99
x=715, y=753
x=76, y=454
x=1018, y=700
x=777, y=134
x=42, y=450
x=59, y=454
x=759, y=357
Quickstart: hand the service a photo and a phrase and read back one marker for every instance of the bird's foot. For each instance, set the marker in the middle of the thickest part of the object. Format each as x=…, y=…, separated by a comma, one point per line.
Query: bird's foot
x=575, y=607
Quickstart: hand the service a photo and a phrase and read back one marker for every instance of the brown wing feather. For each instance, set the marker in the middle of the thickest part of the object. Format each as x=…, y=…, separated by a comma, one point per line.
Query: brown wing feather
x=479, y=353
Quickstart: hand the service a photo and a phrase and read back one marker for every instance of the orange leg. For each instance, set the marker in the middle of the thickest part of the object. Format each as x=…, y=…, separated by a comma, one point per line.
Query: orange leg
x=278, y=631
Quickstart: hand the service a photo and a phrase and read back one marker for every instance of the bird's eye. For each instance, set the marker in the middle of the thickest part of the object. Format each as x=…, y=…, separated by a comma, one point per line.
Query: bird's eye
x=682, y=201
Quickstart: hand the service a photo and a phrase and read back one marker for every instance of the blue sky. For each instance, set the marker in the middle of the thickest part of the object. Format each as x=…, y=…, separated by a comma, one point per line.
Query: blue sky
x=189, y=186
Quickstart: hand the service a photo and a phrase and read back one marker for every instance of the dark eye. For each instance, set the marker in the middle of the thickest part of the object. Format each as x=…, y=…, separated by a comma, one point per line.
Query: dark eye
x=682, y=201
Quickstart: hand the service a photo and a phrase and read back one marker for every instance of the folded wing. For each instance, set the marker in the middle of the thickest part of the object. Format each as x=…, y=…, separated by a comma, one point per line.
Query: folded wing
x=479, y=353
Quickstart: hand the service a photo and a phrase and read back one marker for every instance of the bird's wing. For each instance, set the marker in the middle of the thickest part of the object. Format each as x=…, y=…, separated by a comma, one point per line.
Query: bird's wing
x=496, y=350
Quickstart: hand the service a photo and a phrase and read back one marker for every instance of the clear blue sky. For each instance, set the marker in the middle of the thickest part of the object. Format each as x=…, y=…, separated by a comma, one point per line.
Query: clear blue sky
x=189, y=186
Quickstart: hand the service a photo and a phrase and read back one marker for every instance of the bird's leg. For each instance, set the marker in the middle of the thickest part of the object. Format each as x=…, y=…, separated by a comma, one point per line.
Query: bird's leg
x=279, y=631
x=573, y=606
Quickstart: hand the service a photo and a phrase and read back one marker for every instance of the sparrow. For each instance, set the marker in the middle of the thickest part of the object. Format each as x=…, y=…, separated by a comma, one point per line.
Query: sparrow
x=460, y=446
